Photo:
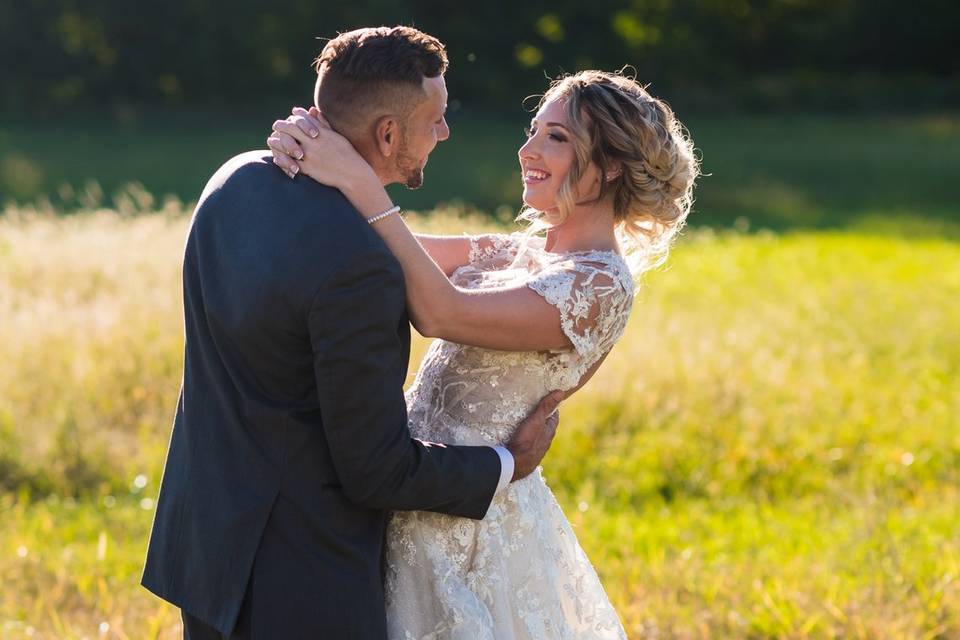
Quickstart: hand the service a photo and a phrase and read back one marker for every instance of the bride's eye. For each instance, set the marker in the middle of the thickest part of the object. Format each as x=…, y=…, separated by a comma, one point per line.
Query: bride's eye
x=529, y=131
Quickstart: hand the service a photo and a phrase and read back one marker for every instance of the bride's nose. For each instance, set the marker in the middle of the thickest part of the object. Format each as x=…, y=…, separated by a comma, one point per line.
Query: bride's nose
x=527, y=150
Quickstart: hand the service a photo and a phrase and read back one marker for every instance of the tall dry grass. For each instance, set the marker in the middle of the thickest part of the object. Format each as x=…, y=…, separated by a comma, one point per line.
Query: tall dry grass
x=773, y=449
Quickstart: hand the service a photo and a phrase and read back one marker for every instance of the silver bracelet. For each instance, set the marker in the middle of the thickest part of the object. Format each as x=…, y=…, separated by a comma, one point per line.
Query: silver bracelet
x=380, y=216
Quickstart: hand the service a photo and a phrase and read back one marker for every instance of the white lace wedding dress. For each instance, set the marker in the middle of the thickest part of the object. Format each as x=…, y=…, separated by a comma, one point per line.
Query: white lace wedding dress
x=520, y=572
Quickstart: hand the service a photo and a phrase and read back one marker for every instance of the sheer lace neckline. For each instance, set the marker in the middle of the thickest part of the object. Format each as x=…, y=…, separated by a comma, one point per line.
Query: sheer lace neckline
x=541, y=247
x=606, y=256
x=582, y=252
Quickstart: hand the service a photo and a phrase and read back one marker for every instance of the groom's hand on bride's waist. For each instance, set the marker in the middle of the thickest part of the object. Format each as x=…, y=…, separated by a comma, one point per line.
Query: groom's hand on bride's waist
x=533, y=436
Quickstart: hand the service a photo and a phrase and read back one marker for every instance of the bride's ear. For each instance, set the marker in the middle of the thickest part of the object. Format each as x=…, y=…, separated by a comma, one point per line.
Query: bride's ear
x=613, y=171
x=387, y=134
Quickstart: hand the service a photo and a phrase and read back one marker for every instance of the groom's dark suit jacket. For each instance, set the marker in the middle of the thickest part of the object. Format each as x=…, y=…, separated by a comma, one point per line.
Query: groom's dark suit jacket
x=290, y=440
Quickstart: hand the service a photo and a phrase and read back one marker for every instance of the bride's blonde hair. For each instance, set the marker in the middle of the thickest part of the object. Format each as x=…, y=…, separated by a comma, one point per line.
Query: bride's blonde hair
x=620, y=127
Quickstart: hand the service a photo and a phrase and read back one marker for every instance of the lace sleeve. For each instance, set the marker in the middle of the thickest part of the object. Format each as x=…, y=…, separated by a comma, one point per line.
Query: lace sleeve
x=494, y=249
x=594, y=304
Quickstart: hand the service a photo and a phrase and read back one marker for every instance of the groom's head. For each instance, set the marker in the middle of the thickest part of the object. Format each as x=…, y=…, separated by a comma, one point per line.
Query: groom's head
x=383, y=89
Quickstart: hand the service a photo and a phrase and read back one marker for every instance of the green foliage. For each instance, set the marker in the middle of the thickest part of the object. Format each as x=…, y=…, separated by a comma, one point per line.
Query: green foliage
x=772, y=450
x=779, y=172
x=12, y=474
x=90, y=54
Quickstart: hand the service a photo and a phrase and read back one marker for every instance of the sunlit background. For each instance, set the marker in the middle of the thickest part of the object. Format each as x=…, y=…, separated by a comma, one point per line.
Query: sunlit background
x=773, y=449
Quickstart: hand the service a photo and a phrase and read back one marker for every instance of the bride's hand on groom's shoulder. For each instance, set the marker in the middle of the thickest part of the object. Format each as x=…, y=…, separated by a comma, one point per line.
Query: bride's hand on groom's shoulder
x=305, y=143
x=284, y=146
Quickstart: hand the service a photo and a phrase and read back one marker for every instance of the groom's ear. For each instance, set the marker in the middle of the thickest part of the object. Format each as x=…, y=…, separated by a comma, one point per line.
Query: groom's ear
x=387, y=132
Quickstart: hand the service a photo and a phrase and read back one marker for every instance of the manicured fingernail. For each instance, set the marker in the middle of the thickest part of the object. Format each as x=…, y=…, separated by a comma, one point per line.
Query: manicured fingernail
x=314, y=133
x=300, y=156
x=295, y=169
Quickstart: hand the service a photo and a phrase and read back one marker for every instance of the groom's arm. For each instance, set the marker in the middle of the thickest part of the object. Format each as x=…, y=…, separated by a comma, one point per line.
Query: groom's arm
x=360, y=370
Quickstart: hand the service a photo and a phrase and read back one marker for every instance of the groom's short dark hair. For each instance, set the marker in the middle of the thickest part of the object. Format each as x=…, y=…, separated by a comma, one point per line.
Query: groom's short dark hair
x=375, y=69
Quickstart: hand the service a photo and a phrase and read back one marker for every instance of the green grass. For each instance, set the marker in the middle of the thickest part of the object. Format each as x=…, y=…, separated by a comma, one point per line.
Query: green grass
x=771, y=451
x=779, y=172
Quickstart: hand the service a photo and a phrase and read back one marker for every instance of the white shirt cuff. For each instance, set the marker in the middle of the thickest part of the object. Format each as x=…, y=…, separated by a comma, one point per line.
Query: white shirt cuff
x=506, y=467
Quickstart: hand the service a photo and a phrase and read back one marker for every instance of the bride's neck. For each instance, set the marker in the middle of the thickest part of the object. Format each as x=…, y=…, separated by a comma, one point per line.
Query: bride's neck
x=587, y=228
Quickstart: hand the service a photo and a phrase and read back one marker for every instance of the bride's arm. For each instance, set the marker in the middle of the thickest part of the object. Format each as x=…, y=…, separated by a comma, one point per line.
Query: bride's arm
x=512, y=318
x=449, y=252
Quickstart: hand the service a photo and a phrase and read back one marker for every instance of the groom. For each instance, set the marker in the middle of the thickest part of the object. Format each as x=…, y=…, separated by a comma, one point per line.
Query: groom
x=290, y=442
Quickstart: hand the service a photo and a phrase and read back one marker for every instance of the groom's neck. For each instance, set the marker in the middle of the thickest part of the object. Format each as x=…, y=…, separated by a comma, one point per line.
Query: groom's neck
x=369, y=152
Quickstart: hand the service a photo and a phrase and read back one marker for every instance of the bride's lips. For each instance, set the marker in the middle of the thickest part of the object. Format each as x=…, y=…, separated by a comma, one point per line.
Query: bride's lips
x=534, y=176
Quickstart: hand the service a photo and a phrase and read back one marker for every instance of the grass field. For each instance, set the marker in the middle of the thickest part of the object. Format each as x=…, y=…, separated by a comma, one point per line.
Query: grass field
x=778, y=172
x=772, y=450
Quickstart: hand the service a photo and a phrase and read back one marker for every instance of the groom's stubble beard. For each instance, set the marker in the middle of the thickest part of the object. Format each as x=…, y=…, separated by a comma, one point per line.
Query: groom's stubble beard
x=407, y=166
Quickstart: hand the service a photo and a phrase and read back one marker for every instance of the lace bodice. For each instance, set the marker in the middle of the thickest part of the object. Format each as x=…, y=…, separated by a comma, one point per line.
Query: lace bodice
x=470, y=395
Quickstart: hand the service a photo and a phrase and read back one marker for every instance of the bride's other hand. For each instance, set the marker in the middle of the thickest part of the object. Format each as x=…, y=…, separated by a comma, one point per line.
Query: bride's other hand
x=306, y=143
x=284, y=147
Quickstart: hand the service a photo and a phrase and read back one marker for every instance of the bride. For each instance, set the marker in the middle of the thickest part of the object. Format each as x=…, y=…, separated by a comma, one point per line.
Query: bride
x=608, y=176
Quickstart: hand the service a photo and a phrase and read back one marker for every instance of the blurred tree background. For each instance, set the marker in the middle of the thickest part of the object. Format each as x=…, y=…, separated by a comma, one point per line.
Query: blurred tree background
x=770, y=54
x=162, y=93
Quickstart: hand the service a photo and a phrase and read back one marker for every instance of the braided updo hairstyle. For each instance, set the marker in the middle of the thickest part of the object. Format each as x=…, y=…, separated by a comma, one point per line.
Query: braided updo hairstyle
x=620, y=127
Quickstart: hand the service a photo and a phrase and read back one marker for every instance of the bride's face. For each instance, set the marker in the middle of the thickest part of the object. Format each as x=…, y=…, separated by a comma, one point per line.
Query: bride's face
x=546, y=159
